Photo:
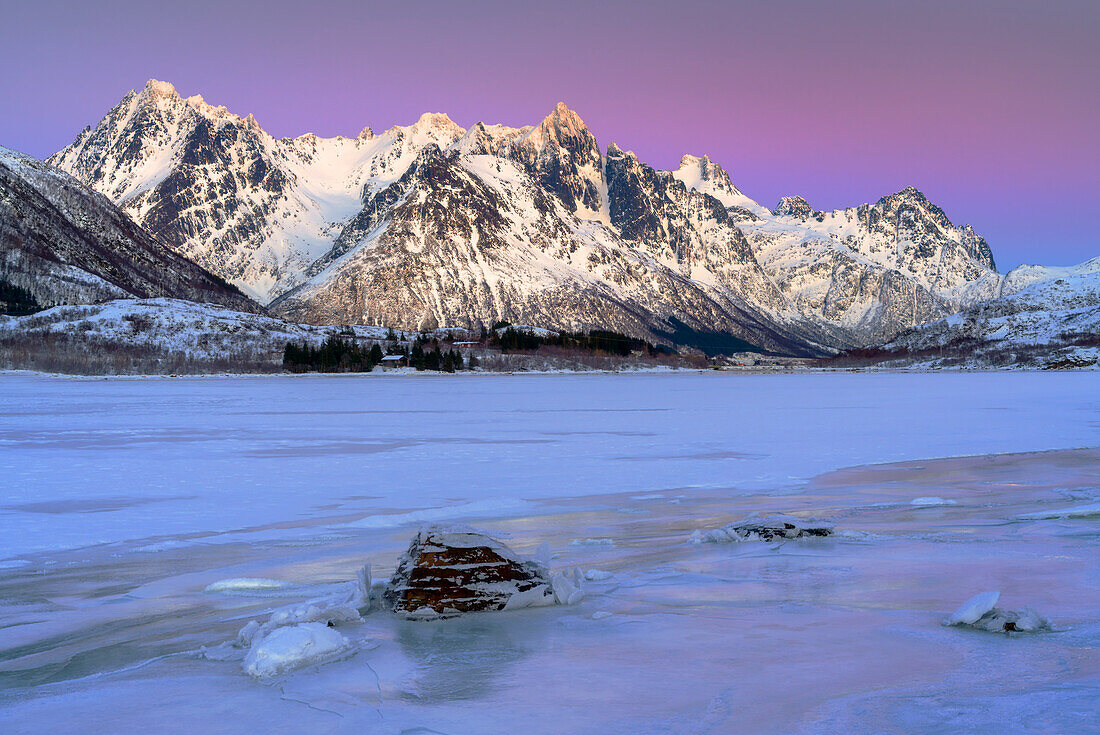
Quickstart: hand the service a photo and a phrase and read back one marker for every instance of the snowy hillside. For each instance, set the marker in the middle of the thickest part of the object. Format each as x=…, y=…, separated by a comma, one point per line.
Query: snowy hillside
x=61, y=242
x=155, y=335
x=1051, y=324
x=1023, y=276
x=433, y=224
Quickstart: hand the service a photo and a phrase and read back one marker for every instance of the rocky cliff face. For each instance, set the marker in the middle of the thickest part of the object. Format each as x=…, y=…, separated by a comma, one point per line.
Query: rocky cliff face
x=67, y=244
x=876, y=269
x=432, y=224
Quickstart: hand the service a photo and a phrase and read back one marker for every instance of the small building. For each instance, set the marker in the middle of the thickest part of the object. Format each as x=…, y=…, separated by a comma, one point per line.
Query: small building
x=394, y=361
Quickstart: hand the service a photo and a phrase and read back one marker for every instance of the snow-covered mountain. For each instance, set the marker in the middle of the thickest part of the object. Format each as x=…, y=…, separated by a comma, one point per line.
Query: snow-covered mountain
x=1052, y=323
x=433, y=224
x=871, y=270
x=63, y=243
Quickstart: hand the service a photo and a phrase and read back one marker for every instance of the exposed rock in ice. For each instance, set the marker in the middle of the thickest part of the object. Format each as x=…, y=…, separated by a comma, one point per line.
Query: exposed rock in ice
x=756, y=527
x=449, y=570
x=981, y=612
x=930, y=500
x=292, y=647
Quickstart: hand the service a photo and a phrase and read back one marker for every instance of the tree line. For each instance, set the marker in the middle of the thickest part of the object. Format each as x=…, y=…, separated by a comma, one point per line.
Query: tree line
x=596, y=340
x=339, y=355
x=334, y=355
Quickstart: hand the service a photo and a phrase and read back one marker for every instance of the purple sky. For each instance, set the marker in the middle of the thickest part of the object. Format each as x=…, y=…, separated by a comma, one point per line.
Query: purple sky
x=989, y=107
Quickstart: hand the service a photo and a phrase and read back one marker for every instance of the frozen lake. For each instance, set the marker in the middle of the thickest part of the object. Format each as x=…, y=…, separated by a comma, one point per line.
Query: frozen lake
x=124, y=499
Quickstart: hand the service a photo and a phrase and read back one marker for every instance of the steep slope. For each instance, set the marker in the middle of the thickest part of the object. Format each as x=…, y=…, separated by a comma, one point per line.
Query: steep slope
x=1051, y=324
x=871, y=271
x=462, y=239
x=531, y=223
x=66, y=244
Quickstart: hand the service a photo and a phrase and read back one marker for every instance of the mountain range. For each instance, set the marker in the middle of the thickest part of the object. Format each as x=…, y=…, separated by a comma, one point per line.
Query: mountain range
x=436, y=225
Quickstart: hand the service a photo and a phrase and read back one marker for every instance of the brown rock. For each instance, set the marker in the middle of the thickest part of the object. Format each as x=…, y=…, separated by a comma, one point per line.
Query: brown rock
x=452, y=570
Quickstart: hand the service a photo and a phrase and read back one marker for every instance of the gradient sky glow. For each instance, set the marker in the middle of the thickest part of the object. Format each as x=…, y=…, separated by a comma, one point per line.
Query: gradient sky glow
x=989, y=107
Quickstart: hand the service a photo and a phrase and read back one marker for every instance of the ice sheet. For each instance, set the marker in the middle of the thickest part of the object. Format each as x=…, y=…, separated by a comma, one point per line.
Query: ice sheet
x=817, y=635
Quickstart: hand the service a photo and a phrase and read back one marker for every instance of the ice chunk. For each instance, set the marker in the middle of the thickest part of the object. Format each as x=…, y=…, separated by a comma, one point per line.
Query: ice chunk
x=929, y=500
x=1007, y=621
x=540, y=596
x=756, y=527
x=597, y=575
x=973, y=609
x=1029, y=620
x=567, y=588
x=342, y=607
x=246, y=585
x=981, y=612
x=292, y=647
x=601, y=614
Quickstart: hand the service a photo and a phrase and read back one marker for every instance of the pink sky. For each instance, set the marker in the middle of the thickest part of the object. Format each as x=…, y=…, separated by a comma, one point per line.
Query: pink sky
x=990, y=108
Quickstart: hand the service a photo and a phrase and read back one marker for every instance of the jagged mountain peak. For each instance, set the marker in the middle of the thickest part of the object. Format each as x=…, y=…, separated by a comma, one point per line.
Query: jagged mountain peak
x=702, y=162
x=431, y=127
x=909, y=194
x=614, y=150
x=794, y=206
x=563, y=128
x=157, y=88
x=162, y=100
x=436, y=121
x=565, y=119
x=482, y=139
x=702, y=174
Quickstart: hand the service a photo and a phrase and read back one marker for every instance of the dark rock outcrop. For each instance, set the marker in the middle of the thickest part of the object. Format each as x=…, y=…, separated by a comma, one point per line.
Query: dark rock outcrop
x=452, y=570
x=755, y=527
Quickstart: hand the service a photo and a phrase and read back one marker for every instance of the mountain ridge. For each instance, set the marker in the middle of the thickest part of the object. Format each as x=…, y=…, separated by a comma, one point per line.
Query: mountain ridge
x=274, y=216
